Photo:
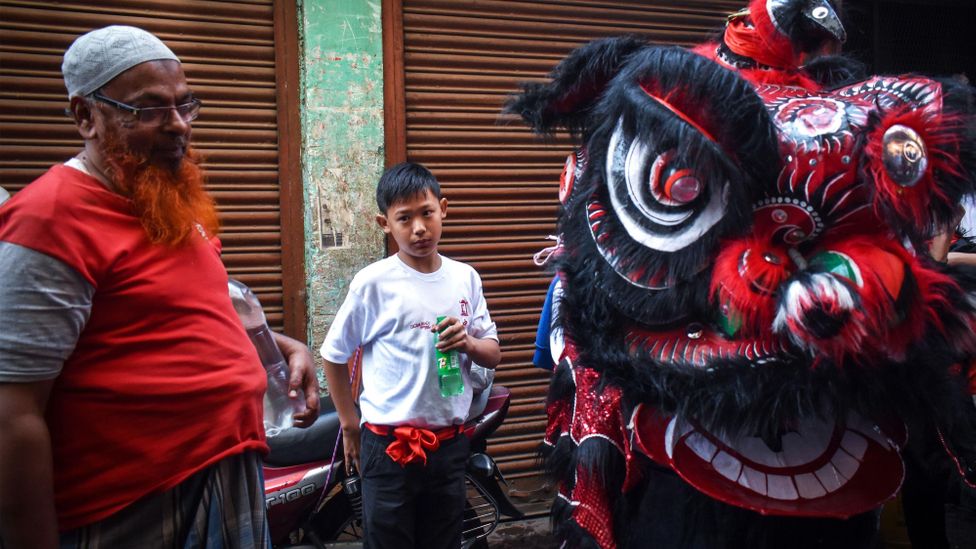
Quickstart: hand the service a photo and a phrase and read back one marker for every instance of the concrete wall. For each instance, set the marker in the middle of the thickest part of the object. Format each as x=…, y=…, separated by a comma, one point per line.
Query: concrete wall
x=342, y=128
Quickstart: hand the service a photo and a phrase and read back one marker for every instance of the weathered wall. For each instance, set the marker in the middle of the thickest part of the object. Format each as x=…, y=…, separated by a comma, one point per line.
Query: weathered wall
x=342, y=127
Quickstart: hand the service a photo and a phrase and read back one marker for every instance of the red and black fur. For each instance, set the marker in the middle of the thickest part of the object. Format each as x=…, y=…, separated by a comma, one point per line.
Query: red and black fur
x=682, y=297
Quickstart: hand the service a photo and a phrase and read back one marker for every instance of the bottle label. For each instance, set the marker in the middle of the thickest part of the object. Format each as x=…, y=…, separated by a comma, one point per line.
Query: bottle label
x=448, y=369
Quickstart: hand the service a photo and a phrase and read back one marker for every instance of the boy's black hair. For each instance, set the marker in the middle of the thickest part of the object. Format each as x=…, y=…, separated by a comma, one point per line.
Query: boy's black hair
x=405, y=180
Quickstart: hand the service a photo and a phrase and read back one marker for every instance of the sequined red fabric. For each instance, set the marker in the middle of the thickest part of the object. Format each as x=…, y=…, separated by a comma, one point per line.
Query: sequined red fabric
x=592, y=415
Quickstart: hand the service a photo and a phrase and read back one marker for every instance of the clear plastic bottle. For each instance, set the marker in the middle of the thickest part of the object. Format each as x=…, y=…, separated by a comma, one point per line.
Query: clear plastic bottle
x=448, y=369
x=278, y=406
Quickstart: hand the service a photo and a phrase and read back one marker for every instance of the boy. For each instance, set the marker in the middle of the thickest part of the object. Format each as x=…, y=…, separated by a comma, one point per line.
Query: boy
x=413, y=450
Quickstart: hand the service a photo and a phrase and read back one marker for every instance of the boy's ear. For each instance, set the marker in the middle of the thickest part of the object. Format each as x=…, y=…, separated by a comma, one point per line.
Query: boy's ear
x=443, y=203
x=383, y=223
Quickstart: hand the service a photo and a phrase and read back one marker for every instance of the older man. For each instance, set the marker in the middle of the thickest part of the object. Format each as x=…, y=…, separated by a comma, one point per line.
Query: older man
x=130, y=395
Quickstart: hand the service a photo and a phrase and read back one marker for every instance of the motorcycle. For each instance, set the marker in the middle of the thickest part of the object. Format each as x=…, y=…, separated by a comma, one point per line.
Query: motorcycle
x=313, y=504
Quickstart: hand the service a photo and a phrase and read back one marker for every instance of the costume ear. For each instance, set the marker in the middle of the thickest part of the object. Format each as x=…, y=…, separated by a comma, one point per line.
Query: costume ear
x=576, y=83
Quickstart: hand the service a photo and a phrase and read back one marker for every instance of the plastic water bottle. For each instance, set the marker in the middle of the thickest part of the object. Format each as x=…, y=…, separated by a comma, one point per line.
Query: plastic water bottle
x=448, y=369
x=278, y=406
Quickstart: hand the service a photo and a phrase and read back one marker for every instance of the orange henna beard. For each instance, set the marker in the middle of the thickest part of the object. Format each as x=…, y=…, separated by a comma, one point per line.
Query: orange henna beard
x=169, y=202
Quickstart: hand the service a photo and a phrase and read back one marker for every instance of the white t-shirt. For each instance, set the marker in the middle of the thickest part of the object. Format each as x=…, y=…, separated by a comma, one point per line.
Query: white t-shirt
x=389, y=312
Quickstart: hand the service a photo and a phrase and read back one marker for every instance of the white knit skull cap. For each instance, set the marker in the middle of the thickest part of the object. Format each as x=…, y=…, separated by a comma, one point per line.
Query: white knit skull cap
x=94, y=59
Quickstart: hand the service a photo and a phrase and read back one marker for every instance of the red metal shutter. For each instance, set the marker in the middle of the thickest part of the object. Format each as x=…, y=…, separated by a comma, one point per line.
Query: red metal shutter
x=460, y=59
x=228, y=53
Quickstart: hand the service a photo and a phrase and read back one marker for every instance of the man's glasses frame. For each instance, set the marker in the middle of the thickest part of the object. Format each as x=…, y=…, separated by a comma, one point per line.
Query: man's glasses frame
x=155, y=116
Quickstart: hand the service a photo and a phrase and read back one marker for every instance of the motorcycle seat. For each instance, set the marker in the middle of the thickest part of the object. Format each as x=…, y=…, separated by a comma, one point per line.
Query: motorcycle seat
x=294, y=446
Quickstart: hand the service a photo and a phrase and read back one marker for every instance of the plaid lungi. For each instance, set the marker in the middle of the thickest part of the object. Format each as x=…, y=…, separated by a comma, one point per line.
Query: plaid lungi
x=220, y=507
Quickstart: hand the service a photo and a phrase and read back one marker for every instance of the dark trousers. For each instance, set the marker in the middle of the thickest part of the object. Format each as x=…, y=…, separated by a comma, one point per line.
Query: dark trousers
x=413, y=506
x=923, y=497
x=940, y=509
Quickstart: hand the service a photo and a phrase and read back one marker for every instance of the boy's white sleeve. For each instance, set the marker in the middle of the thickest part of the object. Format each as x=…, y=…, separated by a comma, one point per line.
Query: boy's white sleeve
x=481, y=326
x=347, y=329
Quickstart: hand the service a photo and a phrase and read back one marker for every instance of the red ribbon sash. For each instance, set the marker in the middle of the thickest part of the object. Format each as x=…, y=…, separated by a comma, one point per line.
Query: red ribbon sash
x=411, y=444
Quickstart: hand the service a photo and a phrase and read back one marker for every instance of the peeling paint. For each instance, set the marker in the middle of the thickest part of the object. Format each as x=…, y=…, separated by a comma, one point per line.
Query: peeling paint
x=342, y=127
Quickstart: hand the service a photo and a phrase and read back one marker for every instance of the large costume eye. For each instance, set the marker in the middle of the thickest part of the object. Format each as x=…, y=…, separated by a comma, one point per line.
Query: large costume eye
x=673, y=186
x=663, y=203
x=905, y=158
x=682, y=186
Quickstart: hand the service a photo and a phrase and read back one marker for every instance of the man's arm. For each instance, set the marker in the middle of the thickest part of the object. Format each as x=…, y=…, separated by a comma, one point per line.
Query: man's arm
x=27, y=517
x=942, y=241
x=44, y=304
x=302, y=368
x=939, y=246
x=959, y=258
x=337, y=377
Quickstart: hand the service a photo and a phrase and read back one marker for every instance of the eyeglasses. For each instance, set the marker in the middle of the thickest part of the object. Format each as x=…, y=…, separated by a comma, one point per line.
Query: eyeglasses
x=153, y=116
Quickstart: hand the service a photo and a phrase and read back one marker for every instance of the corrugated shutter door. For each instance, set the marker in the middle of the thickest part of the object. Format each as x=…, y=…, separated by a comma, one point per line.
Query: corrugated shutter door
x=461, y=59
x=228, y=54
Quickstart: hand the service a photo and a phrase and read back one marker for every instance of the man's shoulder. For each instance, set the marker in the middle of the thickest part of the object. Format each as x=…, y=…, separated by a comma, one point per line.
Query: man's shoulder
x=53, y=194
x=41, y=200
x=64, y=214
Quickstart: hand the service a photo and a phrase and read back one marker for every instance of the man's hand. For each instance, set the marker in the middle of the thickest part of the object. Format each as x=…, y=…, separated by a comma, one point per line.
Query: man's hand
x=302, y=378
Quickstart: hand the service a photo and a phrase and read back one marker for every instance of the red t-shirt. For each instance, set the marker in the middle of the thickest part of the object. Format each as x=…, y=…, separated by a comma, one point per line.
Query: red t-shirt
x=163, y=381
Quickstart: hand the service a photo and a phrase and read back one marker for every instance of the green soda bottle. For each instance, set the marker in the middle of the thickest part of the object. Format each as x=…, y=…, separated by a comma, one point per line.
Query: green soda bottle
x=448, y=369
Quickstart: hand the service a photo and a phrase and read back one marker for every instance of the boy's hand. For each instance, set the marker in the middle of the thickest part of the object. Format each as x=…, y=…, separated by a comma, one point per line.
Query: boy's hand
x=337, y=376
x=350, y=447
x=452, y=335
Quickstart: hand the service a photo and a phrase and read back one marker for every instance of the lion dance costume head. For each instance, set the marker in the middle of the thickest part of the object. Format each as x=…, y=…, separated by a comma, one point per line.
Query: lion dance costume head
x=753, y=323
